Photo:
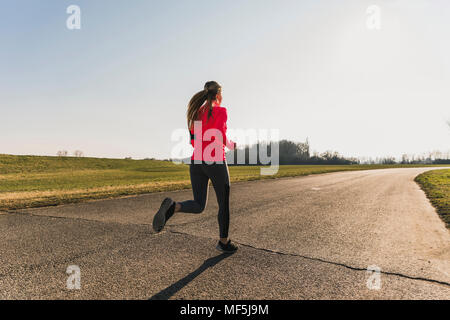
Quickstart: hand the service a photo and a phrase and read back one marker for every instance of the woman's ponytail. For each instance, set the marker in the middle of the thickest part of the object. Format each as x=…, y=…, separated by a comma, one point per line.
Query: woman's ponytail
x=208, y=95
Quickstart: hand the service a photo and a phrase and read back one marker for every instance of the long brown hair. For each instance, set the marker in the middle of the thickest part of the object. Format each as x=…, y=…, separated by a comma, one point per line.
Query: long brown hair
x=208, y=94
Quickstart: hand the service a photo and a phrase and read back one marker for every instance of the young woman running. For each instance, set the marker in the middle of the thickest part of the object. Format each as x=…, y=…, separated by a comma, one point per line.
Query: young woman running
x=207, y=163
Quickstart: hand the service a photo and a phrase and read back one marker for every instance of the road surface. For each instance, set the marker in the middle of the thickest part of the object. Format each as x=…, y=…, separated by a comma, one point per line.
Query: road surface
x=300, y=238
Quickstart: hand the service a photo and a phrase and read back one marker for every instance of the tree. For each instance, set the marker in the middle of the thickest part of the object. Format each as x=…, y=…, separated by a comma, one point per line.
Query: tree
x=303, y=150
x=62, y=153
x=78, y=153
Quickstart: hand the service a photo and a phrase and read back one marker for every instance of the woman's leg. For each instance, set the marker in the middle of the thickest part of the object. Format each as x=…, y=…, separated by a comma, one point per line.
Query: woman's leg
x=218, y=173
x=199, y=181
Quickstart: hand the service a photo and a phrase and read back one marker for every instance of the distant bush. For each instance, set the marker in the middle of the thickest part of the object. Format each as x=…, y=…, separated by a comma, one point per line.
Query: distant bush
x=441, y=161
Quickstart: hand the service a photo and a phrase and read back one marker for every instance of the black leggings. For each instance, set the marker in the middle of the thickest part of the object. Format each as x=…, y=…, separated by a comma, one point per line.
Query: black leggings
x=200, y=176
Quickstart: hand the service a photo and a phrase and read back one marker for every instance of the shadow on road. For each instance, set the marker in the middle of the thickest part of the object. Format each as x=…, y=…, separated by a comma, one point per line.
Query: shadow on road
x=180, y=284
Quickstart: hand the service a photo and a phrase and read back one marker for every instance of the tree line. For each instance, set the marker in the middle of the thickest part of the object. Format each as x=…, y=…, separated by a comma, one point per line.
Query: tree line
x=291, y=153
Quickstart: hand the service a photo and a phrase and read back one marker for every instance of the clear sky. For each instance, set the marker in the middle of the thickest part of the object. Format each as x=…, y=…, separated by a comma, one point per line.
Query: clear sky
x=119, y=86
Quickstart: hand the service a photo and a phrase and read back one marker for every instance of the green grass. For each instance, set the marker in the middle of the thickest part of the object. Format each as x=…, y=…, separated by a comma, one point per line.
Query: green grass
x=33, y=181
x=436, y=185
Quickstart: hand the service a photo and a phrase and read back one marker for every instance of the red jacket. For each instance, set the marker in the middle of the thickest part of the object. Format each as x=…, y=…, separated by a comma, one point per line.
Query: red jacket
x=210, y=138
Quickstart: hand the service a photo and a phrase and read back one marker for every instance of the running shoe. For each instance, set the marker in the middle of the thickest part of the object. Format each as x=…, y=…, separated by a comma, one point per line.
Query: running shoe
x=227, y=248
x=163, y=215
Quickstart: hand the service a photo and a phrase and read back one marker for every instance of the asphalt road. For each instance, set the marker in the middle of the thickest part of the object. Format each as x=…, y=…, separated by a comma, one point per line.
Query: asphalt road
x=300, y=238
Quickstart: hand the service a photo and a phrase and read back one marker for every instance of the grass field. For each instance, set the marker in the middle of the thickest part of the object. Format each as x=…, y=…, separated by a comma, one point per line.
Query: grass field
x=33, y=181
x=436, y=185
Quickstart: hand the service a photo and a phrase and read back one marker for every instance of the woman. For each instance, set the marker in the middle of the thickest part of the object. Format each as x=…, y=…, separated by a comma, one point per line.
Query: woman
x=207, y=122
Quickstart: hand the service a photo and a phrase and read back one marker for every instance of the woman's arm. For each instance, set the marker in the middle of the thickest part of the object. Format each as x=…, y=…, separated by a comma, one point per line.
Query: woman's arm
x=223, y=129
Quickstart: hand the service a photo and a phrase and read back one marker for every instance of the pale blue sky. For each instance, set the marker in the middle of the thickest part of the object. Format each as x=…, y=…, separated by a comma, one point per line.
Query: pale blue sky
x=119, y=86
